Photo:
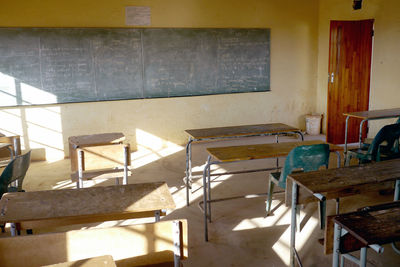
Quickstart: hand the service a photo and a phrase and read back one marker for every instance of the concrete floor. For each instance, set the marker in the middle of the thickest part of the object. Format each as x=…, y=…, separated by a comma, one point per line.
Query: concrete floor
x=240, y=234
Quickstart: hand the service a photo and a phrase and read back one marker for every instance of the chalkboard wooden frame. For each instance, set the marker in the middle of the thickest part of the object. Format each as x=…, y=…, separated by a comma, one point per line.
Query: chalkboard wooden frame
x=68, y=65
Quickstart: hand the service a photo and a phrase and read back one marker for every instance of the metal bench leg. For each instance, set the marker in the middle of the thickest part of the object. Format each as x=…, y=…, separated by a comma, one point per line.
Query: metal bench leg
x=397, y=190
x=336, y=243
x=205, y=171
x=293, y=225
x=13, y=229
x=345, y=140
x=363, y=257
x=126, y=160
x=157, y=215
x=188, y=169
x=80, y=169
x=177, y=243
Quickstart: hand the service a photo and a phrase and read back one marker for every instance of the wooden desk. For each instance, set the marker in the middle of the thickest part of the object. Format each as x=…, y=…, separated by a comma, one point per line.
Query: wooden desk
x=101, y=153
x=82, y=141
x=85, y=205
x=368, y=115
x=218, y=133
x=336, y=183
x=369, y=227
x=248, y=152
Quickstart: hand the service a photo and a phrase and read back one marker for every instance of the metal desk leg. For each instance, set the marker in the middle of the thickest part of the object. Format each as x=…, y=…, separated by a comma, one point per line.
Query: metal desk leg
x=336, y=243
x=301, y=135
x=293, y=225
x=177, y=243
x=11, y=152
x=360, y=134
x=277, y=158
x=205, y=171
x=345, y=139
x=126, y=157
x=13, y=229
x=338, y=158
x=157, y=215
x=209, y=188
x=80, y=168
x=363, y=257
x=397, y=190
x=188, y=169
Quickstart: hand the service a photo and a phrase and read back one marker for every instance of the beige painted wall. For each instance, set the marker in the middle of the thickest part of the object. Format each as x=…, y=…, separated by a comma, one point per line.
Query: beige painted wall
x=159, y=123
x=385, y=78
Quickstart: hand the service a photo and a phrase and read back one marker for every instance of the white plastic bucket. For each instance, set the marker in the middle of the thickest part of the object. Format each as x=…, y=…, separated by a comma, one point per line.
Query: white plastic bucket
x=313, y=124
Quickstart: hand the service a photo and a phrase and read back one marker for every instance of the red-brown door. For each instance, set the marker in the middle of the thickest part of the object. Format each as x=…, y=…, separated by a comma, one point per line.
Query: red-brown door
x=350, y=49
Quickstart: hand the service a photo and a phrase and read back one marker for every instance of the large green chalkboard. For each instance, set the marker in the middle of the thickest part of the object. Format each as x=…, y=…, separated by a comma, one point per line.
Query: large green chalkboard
x=45, y=66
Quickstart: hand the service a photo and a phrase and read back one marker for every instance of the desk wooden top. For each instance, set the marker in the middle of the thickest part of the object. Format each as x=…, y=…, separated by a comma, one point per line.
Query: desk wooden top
x=375, y=114
x=373, y=225
x=261, y=151
x=96, y=139
x=85, y=202
x=256, y=129
x=345, y=179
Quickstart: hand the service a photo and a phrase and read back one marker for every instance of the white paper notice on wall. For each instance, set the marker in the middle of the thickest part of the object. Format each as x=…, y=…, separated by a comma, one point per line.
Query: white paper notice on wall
x=137, y=16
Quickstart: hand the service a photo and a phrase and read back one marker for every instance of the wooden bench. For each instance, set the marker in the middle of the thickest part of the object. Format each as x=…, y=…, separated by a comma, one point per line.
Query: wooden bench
x=133, y=245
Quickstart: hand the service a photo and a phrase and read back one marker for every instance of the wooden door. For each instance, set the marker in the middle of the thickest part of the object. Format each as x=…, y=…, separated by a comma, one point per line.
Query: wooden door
x=350, y=49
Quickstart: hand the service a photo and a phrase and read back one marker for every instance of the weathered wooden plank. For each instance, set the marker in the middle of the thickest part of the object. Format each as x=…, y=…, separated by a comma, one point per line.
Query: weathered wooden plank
x=96, y=139
x=261, y=151
x=375, y=114
x=373, y=225
x=256, y=129
x=328, y=235
x=107, y=201
x=345, y=179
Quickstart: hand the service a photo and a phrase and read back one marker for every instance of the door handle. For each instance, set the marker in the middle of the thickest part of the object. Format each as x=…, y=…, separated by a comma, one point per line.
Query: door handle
x=332, y=77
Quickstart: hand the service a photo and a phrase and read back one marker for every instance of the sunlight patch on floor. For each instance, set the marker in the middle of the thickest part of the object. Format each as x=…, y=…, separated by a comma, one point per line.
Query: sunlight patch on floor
x=280, y=217
x=151, y=148
x=281, y=247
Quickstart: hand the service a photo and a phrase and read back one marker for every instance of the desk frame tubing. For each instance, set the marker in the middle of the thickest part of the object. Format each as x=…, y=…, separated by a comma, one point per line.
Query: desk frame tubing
x=188, y=178
x=362, y=262
x=363, y=253
x=207, y=190
x=205, y=172
x=294, y=207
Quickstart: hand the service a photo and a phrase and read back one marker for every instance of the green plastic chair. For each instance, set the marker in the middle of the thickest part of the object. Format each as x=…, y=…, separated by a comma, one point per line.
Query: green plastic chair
x=367, y=141
x=307, y=158
x=15, y=171
x=385, y=146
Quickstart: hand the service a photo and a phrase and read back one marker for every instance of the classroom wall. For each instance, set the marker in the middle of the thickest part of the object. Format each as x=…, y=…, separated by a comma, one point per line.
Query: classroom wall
x=385, y=78
x=156, y=124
